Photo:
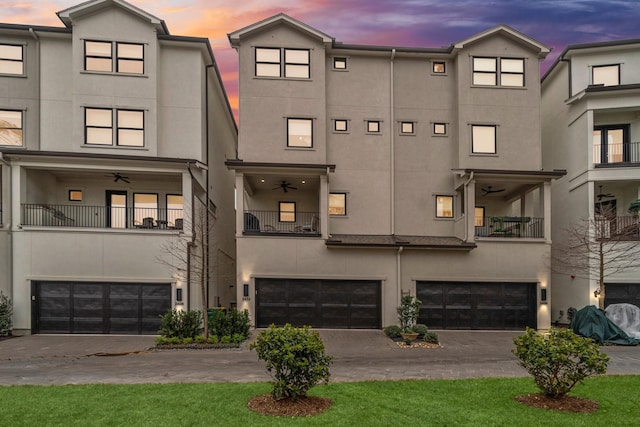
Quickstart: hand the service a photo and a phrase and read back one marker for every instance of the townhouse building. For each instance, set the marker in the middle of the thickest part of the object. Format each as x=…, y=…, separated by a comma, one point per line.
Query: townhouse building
x=365, y=173
x=113, y=136
x=591, y=127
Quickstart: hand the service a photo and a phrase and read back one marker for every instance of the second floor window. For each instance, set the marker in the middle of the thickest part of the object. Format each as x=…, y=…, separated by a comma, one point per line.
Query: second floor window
x=444, y=206
x=338, y=204
x=288, y=63
x=287, y=212
x=11, y=128
x=608, y=75
x=508, y=72
x=11, y=59
x=300, y=133
x=99, y=127
x=99, y=56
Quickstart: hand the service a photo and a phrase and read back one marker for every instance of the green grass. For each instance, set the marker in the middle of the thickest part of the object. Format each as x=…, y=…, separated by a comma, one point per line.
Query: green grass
x=481, y=402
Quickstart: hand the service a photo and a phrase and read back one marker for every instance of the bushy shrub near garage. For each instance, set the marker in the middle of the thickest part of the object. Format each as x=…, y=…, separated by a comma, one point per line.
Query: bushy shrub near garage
x=392, y=331
x=295, y=358
x=560, y=359
x=6, y=310
x=181, y=324
x=231, y=322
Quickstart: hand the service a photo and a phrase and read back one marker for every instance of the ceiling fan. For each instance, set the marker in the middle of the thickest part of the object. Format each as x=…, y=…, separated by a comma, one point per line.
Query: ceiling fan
x=117, y=176
x=602, y=195
x=285, y=186
x=490, y=190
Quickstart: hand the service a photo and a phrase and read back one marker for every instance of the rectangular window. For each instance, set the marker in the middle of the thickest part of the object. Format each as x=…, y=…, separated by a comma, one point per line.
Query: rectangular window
x=479, y=216
x=145, y=207
x=129, y=127
x=338, y=204
x=130, y=58
x=11, y=130
x=296, y=64
x=444, y=206
x=438, y=67
x=483, y=139
x=75, y=195
x=300, y=133
x=439, y=128
x=608, y=75
x=339, y=63
x=373, y=126
x=510, y=70
x=340, y=125
x=485, y=71
x=407, y=128
x=98, y=126
x=287, y=211
x=11, y=59
x=267, y=62
x=175, y=210
x=98, y=56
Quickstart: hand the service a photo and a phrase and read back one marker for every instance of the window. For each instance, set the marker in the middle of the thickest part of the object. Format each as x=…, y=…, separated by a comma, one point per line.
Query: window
x=175, y=214
x=608, y=75
x=296, y=63
x=145, y=209
x=99, y=127
x=407, y=128
x=438, y=67
x=444, y=206
x=373, y=126
x=287, y=212
x=11, y=59
x=75, y=195
x=439, y=128
x=299, y=133
x=483, y=139
x=338, y=204
x=11, y=128
x=340, y=125
x=511, y=72
x=611, y=144
x=98, y=56
x=339, y=63
x=479, y=216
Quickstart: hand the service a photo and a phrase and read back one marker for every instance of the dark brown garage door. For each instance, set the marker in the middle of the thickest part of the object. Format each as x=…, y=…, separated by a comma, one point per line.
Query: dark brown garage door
x=475, y=305
x=340, y=304
x=617, y=293
x=98, y=308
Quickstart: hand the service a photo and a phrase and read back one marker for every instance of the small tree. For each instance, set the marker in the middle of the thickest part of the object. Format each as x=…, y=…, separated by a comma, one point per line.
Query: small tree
x=559, y=360
x=295, y=359
x=6, y=310
x=408, y=312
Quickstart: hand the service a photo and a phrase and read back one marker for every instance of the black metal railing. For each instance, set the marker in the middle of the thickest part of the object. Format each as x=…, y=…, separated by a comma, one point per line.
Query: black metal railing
x=294, y=223
x=510, y=226
x=628, y=152
x=618, y=228
x=84, y=216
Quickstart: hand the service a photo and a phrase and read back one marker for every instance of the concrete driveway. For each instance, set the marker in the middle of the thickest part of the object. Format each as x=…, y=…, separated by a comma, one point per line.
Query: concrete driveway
x=359, y=355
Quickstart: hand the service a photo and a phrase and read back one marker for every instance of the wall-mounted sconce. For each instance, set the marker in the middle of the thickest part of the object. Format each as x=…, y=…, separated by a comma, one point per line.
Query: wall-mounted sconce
x=543, y=296
x=245, y=290
x=178, y=295
x=596, y=293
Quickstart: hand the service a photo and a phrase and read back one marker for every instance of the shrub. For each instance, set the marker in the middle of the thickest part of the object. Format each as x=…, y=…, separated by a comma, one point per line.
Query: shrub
x=430, y=337
x=162, y=340
x=295, y=359
x=229, y=322
x=6, y=310
x=181, y=324
x=420, y=329
x=226, y=339
x=392, y=331
x=559, y=360
x=408, y=312
x=187, y=340
x=201, y=339
x=213, y=339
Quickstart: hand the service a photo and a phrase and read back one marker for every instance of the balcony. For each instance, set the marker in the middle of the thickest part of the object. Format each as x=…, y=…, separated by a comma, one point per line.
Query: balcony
x=510, y=227
x=618, y=228
x=616, y=153
x=47, y=215
x=281, y=223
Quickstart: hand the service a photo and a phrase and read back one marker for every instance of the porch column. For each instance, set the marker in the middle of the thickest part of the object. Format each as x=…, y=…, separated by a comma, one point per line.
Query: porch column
x=546, y=195
x=470, y=205
x=324, y=206
x=16, y=194
x=239, y=204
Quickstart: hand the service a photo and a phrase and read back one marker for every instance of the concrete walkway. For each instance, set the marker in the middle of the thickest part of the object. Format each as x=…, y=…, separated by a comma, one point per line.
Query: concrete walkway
x=358, y=356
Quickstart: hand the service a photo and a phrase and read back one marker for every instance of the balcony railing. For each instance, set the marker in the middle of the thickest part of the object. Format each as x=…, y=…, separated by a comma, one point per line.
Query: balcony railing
x=510, y=226
x=84, y=216
x=618, y=228
x=274, y=222
x=616, y=153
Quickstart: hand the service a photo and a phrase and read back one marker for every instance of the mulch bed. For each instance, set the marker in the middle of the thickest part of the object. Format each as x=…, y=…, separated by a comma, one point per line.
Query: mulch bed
x=195, y=346
x=302, y=407
x=418, y=344
x=564, y=403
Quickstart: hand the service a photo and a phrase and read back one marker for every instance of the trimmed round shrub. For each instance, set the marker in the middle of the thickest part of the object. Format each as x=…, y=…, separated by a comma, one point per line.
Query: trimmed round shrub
x=420, y=329
x=430, y=337
x=294, y=358
x=392, y=331
x=558, y=360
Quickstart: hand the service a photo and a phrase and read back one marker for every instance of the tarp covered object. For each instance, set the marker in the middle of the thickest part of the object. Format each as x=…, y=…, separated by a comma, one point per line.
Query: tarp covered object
x=591, y=322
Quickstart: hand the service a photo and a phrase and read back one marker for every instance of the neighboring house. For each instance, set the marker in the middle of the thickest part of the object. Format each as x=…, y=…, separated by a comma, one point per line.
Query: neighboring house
x=365, y=173
x=591, y=127
x=112, y=132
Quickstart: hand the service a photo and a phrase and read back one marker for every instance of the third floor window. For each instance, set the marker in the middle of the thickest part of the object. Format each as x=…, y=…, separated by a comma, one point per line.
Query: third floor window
x=608, y=75
x=508, y=72
x=11, y=59
x=282, y=62
x=114, y=57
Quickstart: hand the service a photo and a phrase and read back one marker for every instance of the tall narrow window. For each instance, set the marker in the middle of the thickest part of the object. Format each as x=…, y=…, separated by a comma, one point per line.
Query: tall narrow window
x=338, y=204
x=11, y=131
x=130, y=58
x=608, y=75
x=296, y=63
x=300, y=133
x=175, y=213
x=267, y=62
x=98, y=126
x=130, y=128
x=287, y=212
x=145, y=207
x=483, y=139
x=479, y=216
x=11, y=59
x=444, y=206
x=98, y=56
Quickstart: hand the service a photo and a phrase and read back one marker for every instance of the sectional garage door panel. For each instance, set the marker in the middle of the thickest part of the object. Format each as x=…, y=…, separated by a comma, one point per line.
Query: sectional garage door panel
x=340, y=304
x=99, y=308
x=618, y=293
x=477, y=305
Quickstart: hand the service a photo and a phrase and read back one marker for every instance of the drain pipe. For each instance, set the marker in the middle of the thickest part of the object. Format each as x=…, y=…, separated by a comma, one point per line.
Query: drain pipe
x=392, y=160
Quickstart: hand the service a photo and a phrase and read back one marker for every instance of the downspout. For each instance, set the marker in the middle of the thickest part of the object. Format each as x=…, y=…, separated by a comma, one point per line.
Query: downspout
x=206, y=131
x=392, y=148
x=466, y=217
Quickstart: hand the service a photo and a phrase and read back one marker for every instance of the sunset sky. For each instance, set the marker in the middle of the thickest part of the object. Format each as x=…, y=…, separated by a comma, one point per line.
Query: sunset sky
x=419, y=23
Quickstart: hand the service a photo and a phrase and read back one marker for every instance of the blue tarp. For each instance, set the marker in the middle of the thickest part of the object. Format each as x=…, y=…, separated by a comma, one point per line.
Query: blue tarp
x=591, y=322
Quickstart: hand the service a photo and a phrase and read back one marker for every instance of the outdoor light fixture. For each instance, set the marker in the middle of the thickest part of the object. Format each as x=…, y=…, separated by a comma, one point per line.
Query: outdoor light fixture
x=543, y=296
x=245, y=290
x=178, y=294
x=596, y=293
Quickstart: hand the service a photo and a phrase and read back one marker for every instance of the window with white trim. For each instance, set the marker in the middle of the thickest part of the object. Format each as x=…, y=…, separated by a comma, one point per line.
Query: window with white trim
x=300, y=133
x=444, y=206
x=483, y=139
x=99, y=56
x=11, y=59
x=11, y=128
x=490, y=71
x=283, y=62
x=608, y=75
x=99, y=127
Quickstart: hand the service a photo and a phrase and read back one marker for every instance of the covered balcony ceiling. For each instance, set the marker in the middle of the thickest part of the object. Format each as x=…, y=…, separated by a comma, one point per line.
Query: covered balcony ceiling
x=282, y=183
x=114, y=175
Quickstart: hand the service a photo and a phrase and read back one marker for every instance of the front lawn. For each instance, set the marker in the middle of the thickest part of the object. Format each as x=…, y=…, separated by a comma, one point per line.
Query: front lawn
x=392, y=403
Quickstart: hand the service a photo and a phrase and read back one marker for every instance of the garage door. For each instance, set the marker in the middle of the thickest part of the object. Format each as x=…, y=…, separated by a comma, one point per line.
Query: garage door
x=617, y=293
x=475, y=305
x=340, y=304
x=98, y=308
